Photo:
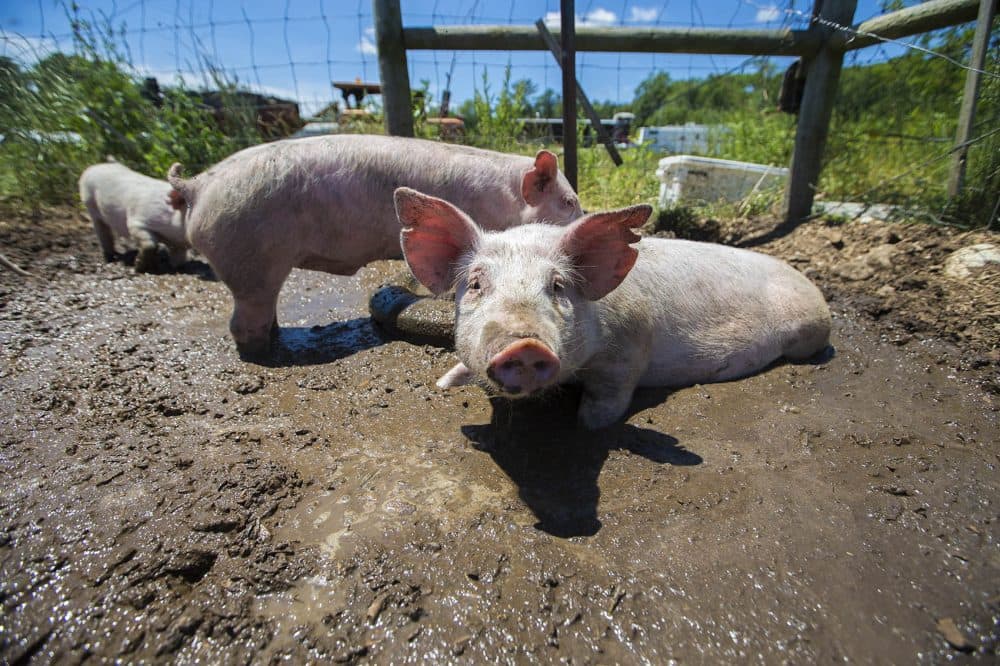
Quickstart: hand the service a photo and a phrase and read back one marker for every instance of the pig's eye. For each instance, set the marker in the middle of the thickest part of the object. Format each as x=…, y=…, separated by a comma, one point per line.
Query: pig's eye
x=473, y=284
x=557, y=285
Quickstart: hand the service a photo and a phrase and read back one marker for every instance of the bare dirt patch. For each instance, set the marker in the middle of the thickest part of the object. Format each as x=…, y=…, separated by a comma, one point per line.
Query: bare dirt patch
x=164, y=500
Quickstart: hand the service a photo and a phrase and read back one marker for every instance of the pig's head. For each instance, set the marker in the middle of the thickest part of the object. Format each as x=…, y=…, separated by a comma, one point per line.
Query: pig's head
x=547, y=192
x=525, y=313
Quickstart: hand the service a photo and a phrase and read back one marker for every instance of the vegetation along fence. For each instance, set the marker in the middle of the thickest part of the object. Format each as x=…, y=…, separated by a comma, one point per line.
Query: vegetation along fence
x=821, y=47
x=873, y=99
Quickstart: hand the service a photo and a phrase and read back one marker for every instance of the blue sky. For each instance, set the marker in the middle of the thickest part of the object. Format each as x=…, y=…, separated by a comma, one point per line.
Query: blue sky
x=295, y=48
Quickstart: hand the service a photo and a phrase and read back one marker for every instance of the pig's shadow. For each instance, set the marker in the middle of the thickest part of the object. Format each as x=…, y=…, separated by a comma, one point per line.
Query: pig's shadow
x=316, y=345
x=556, y=465
x=194, y=267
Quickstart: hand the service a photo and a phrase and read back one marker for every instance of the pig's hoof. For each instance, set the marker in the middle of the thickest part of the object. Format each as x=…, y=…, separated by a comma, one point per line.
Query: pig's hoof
x=254, y=350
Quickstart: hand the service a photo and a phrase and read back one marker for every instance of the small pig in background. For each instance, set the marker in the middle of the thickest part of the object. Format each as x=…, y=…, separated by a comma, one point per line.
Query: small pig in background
x=130, y=205
x=591, y=303
x=325, y=203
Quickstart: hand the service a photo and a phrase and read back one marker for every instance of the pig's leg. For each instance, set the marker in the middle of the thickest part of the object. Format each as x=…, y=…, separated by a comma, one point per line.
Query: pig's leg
x=254, y=275
x=608, y=386
x=255, y=311
x=809, y=338
x=459, y=375
x=104, y=236
x=148, y=259
x=254, y=322
x=178, y=255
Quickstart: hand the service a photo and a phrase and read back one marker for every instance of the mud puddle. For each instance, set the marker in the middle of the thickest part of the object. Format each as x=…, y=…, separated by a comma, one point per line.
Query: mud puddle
x=168, y=502
x=792, y=488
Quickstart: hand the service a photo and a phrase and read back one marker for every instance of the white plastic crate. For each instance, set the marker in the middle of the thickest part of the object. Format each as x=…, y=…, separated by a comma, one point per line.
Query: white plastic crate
x=691, y=178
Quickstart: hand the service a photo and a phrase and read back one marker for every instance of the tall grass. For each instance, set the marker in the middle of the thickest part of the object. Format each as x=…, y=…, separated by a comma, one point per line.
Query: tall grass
x=67, y=111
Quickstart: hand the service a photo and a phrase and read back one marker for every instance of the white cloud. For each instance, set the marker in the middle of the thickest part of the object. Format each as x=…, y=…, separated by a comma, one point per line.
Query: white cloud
x=599, y=16
x=29, y=50
x=768, y=14
x=642, y=14
x=367, y=43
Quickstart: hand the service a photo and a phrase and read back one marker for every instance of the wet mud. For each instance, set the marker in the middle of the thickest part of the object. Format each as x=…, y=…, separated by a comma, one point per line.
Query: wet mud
x=164, y=500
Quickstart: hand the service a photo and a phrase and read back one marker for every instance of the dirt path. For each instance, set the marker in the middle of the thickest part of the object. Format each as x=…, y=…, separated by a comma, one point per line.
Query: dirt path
x=164, y=500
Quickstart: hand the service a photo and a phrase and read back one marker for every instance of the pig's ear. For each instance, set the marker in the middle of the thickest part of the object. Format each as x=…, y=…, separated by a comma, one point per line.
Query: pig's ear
x=540, y=177
x=599, y=246
x=435, y=234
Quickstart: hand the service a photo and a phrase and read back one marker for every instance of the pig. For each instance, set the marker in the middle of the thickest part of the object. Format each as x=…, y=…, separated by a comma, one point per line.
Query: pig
x=325, y=203
x=127, y=204
x=592, y=303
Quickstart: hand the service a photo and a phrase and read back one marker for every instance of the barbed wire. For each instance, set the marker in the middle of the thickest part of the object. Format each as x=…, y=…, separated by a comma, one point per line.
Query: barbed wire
x=853, y=32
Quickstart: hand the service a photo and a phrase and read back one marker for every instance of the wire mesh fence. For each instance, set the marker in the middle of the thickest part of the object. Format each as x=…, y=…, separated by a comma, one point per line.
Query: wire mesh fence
x=274, y=65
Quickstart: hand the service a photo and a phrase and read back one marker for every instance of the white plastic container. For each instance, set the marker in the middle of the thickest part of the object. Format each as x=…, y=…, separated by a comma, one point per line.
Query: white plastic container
x=691, y=178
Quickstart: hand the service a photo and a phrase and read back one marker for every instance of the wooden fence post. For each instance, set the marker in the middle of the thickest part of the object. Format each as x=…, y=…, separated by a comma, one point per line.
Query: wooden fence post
x=822, y=77
x=567, y=30
x=967, y=114
x=392, y=67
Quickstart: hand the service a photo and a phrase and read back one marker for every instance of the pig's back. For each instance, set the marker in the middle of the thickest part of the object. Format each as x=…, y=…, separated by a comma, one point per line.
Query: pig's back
x=718, y=312
x=364, y=169
x=328, y=200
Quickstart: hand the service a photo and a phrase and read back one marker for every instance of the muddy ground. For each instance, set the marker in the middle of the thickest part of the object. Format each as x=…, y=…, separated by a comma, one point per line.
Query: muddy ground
x=163, y=500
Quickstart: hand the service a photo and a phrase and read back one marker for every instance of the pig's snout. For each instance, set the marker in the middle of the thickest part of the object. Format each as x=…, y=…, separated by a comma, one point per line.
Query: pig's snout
x=523, y=367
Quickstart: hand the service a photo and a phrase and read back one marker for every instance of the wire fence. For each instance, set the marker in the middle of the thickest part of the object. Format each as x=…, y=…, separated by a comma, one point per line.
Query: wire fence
x=296, y=51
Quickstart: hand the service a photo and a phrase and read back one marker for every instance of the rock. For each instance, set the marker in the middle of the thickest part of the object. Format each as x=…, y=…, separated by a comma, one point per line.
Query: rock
x=191, y=565
x=951, y=633
x=419, y=319
x=375, y=608
x=866, y=265
x=209, y=523
x=968, y=261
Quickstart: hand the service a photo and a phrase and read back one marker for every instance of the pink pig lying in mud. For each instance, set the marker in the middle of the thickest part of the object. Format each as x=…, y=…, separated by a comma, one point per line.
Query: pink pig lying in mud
x=594, y=304
x=130, y=205
x=325, y=204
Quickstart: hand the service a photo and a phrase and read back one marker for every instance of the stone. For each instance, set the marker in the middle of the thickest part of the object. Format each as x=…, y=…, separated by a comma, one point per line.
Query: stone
x=866, y=265
x=969, y=261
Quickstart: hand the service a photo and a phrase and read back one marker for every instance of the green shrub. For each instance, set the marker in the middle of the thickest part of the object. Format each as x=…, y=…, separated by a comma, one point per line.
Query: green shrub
x=67, y=111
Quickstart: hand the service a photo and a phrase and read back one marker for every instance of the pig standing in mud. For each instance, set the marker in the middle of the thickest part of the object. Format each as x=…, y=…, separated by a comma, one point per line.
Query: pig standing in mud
x=539, y=305
x=130, y=205
x=325, y=204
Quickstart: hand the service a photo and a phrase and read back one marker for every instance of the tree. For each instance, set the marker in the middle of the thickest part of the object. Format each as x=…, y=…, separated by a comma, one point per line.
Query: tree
x=649, y=96
x=525, y=89
x=548, y=104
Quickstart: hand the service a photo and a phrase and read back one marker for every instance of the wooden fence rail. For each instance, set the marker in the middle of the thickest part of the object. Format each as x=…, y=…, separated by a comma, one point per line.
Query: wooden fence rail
x=702, y=41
